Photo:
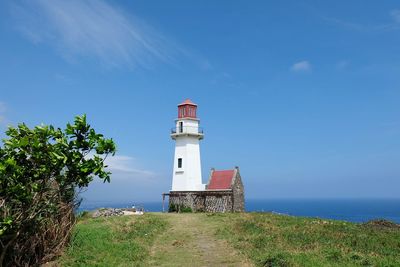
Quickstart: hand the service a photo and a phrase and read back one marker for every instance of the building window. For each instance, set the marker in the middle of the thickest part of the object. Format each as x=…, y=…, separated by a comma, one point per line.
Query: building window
x=179, y=163
x=181, y=126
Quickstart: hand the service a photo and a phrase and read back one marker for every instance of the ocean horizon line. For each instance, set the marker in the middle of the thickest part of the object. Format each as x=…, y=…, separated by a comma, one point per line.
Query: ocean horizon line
x=353, y=210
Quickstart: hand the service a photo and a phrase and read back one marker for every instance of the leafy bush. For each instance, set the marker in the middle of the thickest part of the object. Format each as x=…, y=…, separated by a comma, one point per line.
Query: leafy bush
x=173, y=208
x=179, y=208
x=83, y=215
x=41, y=173
x=276, y=260
x=186, y=209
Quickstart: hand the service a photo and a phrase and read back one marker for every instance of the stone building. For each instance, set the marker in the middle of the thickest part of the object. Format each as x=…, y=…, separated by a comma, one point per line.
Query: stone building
x=224, y=191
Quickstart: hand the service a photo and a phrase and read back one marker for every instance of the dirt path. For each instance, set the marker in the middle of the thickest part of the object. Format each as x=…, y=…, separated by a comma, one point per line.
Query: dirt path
x=190, y=241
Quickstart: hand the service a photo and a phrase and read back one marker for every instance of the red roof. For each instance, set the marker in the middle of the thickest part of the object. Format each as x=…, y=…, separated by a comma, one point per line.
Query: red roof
x=221, y=179
x=187, y=102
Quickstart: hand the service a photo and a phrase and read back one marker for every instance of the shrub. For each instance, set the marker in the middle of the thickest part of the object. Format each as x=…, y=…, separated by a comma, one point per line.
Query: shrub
x=179, y=208
x=83, y=215
x=186, y=209
x=276, y=260
x=42, y=171
x=172, y=208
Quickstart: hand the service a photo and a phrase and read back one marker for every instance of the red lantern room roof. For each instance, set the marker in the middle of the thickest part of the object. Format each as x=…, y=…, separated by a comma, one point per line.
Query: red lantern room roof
x=187, y=109
x=187, y=102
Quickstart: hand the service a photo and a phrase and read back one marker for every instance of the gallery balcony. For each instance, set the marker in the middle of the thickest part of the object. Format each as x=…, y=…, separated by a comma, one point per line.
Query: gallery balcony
x=187, y=131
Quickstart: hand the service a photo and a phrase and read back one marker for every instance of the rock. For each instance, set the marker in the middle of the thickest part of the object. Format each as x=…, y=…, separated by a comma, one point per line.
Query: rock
x=128, y=212
x=380, y=223
x=107, y=212
x=96, y=214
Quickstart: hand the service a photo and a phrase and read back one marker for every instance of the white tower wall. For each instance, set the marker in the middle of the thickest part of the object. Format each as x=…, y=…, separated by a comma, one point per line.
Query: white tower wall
x=187, y=135
x=188, y=177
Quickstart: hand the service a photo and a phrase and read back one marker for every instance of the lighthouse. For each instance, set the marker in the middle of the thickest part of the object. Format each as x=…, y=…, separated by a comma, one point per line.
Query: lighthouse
x=187, y=135
x=224, y=191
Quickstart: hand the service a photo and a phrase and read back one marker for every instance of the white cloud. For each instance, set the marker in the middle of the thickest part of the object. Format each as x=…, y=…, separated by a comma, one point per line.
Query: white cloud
x=128, y=182
x=92, y=29
x=393, y=25
x=3, y=110
x=302, y=66
x=395, y=15
x=2, y=107
x=342, y=64
x=126, y=164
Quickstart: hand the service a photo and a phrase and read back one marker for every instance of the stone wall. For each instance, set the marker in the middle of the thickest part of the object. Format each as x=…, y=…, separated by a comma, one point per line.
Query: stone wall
x=229, y=200
x=218, y=202
x=238, y=194
x=201, y=201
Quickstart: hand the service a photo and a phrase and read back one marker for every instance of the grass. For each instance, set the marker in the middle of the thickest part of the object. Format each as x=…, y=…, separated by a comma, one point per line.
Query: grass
x=231, y=240
x=190, y=241
x=114, y=241
x=276, y=240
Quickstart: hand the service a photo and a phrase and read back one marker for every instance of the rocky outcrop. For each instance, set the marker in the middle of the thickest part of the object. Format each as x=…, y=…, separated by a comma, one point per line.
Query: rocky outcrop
x=107, y=212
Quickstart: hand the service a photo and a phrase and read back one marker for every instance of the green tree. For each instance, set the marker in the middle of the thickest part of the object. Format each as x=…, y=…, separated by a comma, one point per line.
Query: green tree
x=41, y=172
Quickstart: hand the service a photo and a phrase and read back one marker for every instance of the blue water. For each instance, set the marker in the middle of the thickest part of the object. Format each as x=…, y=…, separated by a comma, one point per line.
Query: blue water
x=353, y=210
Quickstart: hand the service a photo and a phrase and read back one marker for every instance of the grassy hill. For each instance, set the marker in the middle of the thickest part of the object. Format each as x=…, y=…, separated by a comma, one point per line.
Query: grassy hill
x=241, y=239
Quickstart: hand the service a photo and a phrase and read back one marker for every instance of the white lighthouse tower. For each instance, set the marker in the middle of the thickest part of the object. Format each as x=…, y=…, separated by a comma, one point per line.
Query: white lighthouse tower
x=187, y=134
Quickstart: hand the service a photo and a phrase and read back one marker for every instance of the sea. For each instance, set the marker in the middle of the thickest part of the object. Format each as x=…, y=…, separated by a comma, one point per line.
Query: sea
x=352, y=210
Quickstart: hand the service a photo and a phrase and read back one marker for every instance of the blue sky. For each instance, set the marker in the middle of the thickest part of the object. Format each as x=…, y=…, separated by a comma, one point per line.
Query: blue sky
x=302, y=95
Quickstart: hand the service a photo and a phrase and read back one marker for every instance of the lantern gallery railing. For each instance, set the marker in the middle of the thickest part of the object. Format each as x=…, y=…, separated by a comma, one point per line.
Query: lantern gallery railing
x=187, y=130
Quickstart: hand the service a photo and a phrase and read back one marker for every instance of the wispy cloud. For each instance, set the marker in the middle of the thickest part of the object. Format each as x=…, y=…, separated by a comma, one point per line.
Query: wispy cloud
x=301, y=66
x=3, y=110
x=342, y=64
x=357, y=26
x=391, y=128
x=126, y=165
x=395, y=15
x=92, y=29
x=393, y=24
x=128, y=182
x=2, y=107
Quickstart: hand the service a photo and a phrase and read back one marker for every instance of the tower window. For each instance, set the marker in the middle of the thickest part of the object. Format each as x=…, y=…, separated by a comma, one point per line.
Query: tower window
x=179, y=163
x=181, y=126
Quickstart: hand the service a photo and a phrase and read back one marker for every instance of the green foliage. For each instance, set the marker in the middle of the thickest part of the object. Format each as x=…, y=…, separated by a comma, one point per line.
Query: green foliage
x=113, y=241
x=276, y=260
x=41, y=171
x=186, y=209
x=172, y=208
x=83, y=215
x=179, y=208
